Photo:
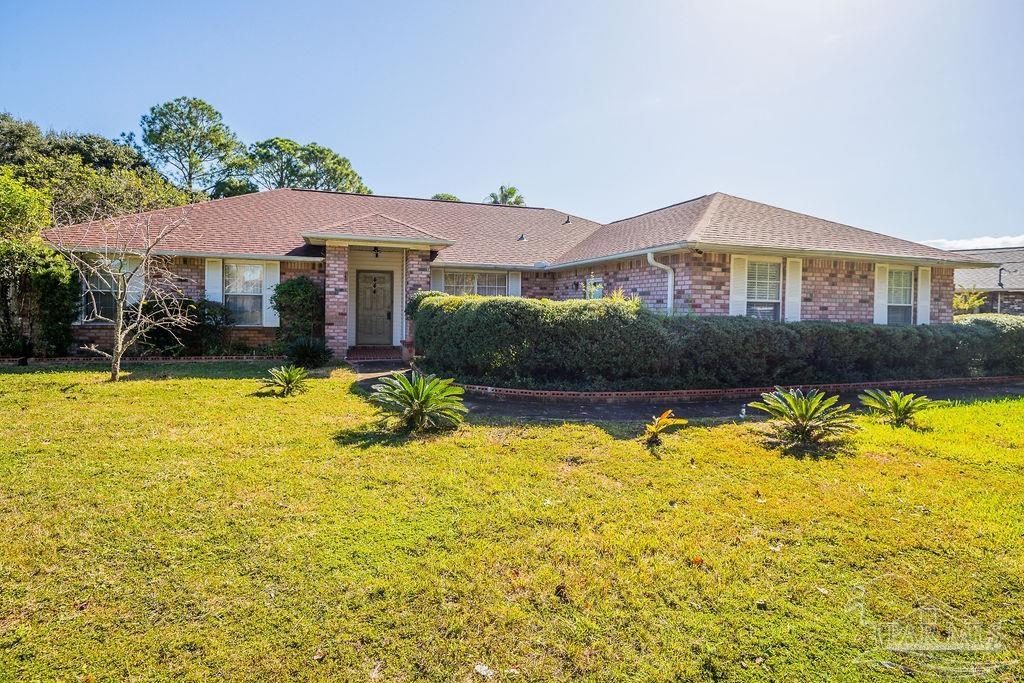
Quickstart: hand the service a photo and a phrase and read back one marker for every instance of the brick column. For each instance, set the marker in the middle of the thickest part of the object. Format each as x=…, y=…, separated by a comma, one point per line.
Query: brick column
x=336, y=300
x=417, y=277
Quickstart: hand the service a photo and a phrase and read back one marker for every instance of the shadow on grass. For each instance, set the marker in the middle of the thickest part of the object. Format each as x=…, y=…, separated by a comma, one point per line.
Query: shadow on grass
x=368, y=436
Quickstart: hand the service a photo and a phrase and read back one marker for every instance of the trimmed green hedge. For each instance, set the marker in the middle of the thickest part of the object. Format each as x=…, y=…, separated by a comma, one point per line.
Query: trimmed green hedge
x=614, y=343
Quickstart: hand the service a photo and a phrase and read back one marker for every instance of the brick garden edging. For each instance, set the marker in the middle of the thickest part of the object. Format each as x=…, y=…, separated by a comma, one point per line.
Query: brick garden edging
x=690, y=395
x=92, y=360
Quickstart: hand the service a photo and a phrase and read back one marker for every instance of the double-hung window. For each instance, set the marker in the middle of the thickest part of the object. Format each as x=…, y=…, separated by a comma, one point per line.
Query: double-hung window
x=484, y=284
x=101, y=287
x=901, y=297
x=764, y=289
x=243, y=292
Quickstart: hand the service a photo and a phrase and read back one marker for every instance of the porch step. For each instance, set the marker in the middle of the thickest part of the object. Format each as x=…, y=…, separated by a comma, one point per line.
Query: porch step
x=367, y=353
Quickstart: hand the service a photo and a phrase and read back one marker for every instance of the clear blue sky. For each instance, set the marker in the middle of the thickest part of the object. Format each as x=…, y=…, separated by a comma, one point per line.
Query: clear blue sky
x=903, y=116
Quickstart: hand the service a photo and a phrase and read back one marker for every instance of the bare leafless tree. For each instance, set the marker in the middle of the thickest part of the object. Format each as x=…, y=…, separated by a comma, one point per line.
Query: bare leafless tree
x=126, y=281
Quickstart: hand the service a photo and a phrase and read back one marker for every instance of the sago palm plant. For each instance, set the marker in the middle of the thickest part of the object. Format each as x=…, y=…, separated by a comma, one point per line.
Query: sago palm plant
x=895, y=408
x=805, y=421
x=419, y=402
x=286, y=380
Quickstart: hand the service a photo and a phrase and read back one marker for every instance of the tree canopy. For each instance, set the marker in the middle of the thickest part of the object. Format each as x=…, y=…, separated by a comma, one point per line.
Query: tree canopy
x=508, y=195
x=280, y=162
x=23, y=209
x=445, y=197
x=188, y=139
x=81, y=174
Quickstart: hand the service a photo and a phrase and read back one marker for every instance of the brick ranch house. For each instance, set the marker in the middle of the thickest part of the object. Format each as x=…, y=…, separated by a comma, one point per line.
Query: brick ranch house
x=713, y=255
x=1002, y=284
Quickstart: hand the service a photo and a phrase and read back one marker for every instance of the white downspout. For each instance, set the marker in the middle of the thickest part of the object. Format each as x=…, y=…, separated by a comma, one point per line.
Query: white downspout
x=670, y=299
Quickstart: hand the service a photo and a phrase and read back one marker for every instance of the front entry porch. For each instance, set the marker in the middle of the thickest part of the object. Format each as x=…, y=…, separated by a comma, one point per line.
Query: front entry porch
x=367, y=287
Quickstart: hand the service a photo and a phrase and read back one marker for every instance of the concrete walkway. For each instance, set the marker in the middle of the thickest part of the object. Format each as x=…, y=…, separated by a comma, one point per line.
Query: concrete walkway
x=559, y=411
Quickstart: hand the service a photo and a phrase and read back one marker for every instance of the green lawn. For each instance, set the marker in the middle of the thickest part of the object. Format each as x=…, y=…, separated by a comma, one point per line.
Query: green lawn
x=177, y=526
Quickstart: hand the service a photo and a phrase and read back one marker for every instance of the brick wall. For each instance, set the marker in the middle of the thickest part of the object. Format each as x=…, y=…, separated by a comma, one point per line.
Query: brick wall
x=538, y=285
x=838, y=291
x=942, y=295
x=633, y=276
x=1011, y=303
x=336, y=300
x=702, y=283
x=417, y=277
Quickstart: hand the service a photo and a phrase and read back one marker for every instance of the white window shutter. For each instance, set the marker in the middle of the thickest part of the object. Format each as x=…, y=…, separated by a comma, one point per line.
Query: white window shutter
x=881, y=294
x=271, y=276
x=738, y=286
x=437, y=279
x=515, y=283
x=214, y=282
x=794, y=285
x=924, y=295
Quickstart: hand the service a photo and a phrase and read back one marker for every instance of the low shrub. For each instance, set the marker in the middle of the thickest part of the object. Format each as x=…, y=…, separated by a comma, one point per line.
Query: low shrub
x=419, y=402
x=413, y=304
x=619, y=344
x=206, y=335
x=299, y=303
x=307, y=352
x=805, y=421
x=658, y=426
x=286, y=380
x=895, y=408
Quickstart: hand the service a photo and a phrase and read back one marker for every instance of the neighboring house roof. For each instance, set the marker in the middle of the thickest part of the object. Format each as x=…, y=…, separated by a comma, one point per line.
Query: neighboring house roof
x=1012, y=259
x=721, y=220
x=295, y=223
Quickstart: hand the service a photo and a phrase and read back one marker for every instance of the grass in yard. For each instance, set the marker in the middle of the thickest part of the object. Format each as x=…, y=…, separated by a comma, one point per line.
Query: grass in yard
x=176, y=525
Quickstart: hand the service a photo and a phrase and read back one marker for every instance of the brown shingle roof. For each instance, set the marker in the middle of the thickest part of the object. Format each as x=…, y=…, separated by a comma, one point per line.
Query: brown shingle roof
x=1010, y=258
x=378, y=225
x=274, y=223
x=723, y=220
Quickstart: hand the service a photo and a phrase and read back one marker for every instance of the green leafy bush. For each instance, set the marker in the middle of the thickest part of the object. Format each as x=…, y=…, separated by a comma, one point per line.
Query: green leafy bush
x=618, y=344
x=416, y=298
x=895, y=408
x=300, y=304
x=805, y=421
x=419, y=402
x=286, y=380
x=206, y=335
x=39, y=300
x=307, y=352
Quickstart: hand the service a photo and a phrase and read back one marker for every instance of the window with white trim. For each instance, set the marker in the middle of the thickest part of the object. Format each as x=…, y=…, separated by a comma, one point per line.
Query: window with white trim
x=243, y=292
x=764, y=289
x=901, y=297
x=100, y=289
x=484, y=284
x=595, y=287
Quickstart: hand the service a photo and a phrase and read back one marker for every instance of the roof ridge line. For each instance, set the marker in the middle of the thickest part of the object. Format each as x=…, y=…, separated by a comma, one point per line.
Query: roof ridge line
x=704, y=220
x=685, y=201
x=418, y=199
